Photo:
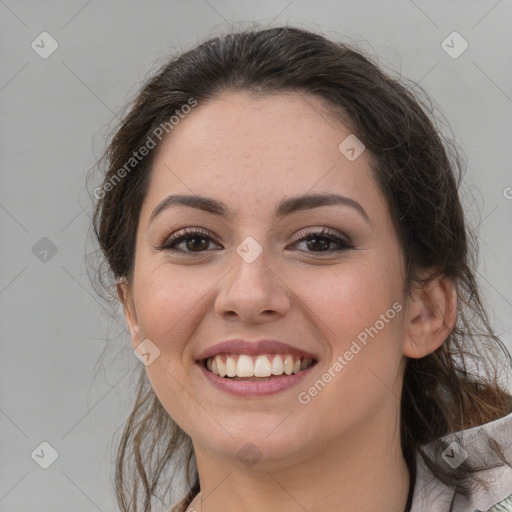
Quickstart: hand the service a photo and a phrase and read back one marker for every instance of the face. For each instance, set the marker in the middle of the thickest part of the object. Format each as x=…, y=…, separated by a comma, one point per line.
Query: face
x=323, y=278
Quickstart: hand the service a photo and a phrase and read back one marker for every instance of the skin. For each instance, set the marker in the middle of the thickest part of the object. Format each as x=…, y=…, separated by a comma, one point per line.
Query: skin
x=250, y=152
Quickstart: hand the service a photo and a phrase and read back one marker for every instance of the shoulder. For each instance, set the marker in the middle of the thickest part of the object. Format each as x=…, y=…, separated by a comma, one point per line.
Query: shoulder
x=492, y=492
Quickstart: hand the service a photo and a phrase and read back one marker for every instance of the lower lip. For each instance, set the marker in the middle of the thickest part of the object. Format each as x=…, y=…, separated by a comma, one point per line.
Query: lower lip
x=255, y=388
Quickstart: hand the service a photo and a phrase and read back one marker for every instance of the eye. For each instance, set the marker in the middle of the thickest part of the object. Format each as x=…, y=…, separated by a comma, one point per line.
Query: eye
x=198, y=240
x=193, y=239
x=321, y=240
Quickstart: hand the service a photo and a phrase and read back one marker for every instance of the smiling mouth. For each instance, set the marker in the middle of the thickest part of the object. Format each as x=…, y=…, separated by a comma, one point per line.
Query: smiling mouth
x=256, y=368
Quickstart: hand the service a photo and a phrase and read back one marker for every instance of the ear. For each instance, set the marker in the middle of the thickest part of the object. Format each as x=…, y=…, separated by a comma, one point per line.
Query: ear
x=130, y=314
x=431, y=314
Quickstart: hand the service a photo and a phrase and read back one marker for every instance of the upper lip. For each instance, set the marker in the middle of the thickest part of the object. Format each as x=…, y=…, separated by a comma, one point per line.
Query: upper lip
x=240, y=346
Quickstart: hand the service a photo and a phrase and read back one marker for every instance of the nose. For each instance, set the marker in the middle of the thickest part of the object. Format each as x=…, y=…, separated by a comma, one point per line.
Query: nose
x=254, y=291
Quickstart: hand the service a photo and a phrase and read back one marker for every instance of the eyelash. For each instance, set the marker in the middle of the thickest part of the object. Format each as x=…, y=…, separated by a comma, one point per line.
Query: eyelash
x=306, y=234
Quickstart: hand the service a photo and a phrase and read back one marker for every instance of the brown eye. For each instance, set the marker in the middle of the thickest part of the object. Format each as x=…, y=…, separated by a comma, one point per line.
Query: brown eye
x=192, y=240
x=322, y=241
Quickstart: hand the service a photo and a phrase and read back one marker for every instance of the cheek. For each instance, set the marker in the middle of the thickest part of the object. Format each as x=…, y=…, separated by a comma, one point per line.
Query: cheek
x=169, y=307
x=359, y=314
x=170, y=303
x=344, y=300
x=358, y=310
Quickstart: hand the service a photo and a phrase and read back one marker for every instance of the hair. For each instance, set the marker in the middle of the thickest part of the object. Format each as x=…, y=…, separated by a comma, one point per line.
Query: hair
x=419, y=172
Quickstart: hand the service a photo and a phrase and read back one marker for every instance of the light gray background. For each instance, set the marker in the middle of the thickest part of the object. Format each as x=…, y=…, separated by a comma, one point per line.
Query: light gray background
x=55, y=115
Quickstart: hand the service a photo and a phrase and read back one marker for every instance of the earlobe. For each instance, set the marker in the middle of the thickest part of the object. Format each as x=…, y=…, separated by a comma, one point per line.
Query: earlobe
x=431, y=315
x=126, y=299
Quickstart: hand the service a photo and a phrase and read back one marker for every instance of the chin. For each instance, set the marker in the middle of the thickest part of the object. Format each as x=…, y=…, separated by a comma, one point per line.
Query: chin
x=252, y=443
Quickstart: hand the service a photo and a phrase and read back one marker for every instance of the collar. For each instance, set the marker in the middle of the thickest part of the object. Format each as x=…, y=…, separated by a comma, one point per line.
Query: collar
x=431, y=495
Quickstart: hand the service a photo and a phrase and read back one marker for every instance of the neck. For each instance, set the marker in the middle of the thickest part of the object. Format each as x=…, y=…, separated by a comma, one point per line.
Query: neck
x=363, y=472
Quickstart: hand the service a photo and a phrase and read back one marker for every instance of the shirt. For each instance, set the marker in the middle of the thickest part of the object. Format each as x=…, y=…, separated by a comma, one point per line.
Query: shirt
x=431, y=495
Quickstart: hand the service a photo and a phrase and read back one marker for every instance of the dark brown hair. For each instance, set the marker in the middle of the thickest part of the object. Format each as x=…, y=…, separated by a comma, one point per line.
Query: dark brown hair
x=419, y=172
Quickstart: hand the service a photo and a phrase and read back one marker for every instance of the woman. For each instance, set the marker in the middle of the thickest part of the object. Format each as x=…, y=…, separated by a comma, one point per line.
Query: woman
x=282, y=224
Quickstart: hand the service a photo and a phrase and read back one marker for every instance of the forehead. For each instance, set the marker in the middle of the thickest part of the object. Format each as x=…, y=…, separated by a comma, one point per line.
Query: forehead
x=245, y=147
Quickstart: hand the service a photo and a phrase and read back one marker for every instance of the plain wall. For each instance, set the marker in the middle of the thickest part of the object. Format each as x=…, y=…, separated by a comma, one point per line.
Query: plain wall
x=55, y=114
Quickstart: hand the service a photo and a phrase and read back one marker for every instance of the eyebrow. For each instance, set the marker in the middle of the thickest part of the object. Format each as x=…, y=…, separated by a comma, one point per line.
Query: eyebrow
x=285, y=207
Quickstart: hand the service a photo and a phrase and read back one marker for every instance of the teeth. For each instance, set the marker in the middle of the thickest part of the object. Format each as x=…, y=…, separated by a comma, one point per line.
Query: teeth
x=230, y=367
x=220, y=366
x=265, y=365
x=306, y=362
x=244, y=367
x=277, y=366
x=262, y=367
x=288, y=365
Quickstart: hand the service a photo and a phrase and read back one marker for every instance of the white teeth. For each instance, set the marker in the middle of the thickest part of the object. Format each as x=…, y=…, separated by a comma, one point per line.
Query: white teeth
x=262, y=367
x=288, y=365
x=243, y=365
x=220, y=366
x=277, y=366
x=230, y=367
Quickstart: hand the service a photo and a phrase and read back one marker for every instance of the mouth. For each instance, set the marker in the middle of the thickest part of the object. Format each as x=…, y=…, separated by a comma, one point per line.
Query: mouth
x=248, y=376
x=246, y=368
x=256, y=368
